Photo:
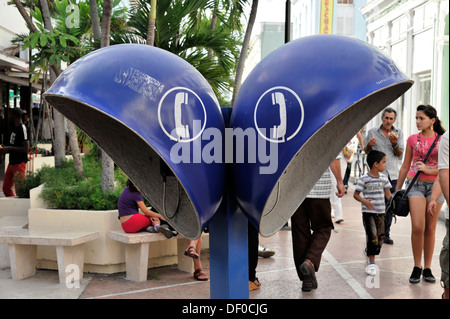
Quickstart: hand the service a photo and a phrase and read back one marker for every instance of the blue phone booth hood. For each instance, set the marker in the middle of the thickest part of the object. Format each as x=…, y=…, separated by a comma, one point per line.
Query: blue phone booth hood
x=309, y=97
x=143, y=105
x=140, y=103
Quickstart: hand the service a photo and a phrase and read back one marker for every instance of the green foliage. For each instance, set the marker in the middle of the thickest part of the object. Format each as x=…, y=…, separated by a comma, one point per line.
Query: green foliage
x=184, y=28
x=23, y=186
x=66, y=189
x=69, y=40
x=52, y=47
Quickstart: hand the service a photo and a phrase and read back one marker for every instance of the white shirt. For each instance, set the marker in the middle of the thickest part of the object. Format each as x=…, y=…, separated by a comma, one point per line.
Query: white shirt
x=443, y=158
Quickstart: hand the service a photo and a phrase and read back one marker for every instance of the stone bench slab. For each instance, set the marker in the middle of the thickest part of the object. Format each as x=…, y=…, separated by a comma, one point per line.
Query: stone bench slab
x=138, y=238
x=137, y=251
x=25, y=237
x=22, y=246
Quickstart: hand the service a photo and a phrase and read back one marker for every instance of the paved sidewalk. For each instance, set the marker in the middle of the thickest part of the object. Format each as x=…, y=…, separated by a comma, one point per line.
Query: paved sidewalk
x=341, y=275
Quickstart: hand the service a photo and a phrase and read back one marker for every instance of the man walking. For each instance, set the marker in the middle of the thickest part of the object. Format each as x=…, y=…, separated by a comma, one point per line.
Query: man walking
x=389, y=140
x=18, y=153
x=311, y=226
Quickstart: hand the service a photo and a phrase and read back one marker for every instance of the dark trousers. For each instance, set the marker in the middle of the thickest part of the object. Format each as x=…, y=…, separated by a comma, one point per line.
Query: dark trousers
x=311, y=227
x=389, y=216
x=374, y=226
x=253, y=242
x=347, y=174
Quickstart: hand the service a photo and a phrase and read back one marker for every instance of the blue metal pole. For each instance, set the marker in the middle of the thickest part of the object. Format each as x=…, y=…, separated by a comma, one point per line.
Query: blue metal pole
x=228, y=254
x=228, y=243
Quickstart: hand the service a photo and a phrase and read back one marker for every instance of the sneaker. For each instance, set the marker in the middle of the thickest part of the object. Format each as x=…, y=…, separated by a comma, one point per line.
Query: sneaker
x=339, y=220
x=388, y=240
x=265, y=252
x=371, y=270
x=415, y=275
x=165, y=231
x=254, y=285
x=151, y=229
x=428, y=276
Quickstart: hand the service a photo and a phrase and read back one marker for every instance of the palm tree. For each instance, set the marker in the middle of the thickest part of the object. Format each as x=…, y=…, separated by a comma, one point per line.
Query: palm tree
x=151, y=23
x=184, y=28
x=103, y=34
x=244, y=51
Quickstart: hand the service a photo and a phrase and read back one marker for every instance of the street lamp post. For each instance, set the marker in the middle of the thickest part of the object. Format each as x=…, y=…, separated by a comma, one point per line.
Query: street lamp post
x=287, y=28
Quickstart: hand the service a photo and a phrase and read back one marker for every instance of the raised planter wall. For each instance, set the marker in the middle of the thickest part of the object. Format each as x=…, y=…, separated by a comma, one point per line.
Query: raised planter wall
x=13, y=206
x=102, y=255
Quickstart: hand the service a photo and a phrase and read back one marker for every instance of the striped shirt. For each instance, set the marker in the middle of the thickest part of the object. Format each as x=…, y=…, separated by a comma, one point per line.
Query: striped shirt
x=323, y=187
x=373, y=188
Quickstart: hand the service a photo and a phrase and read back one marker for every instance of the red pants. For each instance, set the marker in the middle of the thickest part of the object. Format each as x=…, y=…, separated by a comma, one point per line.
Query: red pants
x=136, y=223
x=12, y=172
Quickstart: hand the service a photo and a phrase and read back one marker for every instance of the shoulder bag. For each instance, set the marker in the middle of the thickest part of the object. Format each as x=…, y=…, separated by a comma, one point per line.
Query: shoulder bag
x=399, y=203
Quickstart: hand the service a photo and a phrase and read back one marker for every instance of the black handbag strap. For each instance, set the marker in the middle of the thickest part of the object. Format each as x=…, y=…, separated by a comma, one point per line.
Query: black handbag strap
x=419, y=172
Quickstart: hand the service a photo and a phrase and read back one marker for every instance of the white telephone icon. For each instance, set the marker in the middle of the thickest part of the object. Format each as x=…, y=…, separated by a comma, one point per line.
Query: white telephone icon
x=182, y=130
x=279, y=131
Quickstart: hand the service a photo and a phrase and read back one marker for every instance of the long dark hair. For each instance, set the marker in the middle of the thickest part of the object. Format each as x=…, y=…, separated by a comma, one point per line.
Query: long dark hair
x=432, y=114
x=131, y=186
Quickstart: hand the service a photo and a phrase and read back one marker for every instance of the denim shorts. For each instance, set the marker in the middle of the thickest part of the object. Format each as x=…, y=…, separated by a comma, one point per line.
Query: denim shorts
x=422, y=189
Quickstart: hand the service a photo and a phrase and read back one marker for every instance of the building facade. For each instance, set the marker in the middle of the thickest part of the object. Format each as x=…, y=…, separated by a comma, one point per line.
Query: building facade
x=414, y=33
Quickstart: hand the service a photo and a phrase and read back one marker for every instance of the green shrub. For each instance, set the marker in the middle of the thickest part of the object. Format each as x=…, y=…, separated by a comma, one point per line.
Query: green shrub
x=23, y=186
x=66, y=189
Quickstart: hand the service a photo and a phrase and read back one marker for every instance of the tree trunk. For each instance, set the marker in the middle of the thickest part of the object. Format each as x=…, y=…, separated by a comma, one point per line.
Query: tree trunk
x=244, y=51
x=94, y=19
x=25, y=16
x=48, y=25
x=75, y=148
x=106, y=22
x=212, y=26
x=59, y=135
x=151, y=24
x=107, y=162
x=59, y=138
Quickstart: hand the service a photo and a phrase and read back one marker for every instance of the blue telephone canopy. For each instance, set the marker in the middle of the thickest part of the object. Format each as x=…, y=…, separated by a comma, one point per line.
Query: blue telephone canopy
x=148, y=109
x=304, y=102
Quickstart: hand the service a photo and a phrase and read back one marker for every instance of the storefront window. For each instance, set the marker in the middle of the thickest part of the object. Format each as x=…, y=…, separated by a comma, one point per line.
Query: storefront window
x=399, y=28
x=424, y=16
x=422, y=52
x=379, y=37
x=423, y=89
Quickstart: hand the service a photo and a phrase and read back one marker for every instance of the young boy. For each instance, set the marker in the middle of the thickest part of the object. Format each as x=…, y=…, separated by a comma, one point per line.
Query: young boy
x=375, y=187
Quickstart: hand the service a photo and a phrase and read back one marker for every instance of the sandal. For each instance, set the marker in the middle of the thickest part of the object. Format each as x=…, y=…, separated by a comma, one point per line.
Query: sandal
x=191, y=252
x=254, y=285
x=200, y=275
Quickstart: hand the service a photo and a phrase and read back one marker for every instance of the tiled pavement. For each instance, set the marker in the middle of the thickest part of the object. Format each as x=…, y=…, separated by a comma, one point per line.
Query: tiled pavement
x=341, y=274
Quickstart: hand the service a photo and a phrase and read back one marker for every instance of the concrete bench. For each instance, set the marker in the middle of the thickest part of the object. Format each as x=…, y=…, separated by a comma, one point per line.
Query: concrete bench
x=9, y=223
x=137, y=249
x=22, y=246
